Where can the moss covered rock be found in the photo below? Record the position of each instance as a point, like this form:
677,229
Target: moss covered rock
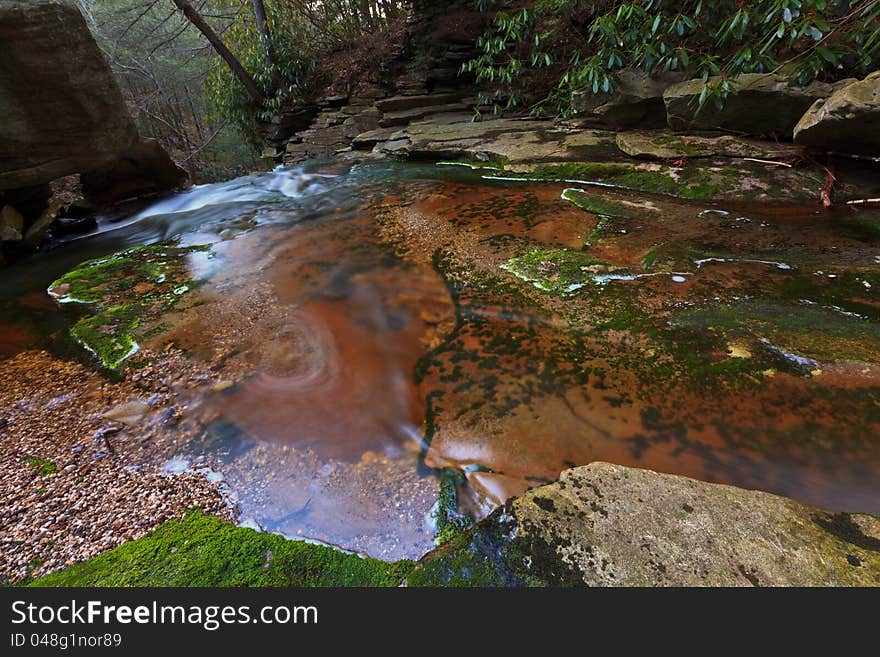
608,525
124,291
702,180
562,272
201,550
663,145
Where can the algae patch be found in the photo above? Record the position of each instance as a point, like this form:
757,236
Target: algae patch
124,291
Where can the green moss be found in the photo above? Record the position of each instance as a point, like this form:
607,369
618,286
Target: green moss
604,228
596,205
450,522
807,330
109,335
700,181
44,467
124,291
458,564
682,147
201,550
586,171
559,271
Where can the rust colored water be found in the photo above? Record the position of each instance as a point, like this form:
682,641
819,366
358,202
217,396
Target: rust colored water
398,316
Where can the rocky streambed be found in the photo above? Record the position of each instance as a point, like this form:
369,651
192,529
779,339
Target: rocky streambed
379,355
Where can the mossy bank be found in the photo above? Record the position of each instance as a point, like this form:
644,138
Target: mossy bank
599,525
201,550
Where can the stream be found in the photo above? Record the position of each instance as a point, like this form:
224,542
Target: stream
373,326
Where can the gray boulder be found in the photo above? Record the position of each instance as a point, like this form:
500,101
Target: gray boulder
608,525
758,104
142,169
847,121
62,110
637,100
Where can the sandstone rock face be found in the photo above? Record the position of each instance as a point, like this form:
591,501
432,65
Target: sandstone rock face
636,100
656,145
759,104
608,525
847,121
62,110
144,168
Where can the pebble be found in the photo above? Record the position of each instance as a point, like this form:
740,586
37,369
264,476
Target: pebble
129,413
94,500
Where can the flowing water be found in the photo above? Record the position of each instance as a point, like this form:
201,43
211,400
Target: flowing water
376,325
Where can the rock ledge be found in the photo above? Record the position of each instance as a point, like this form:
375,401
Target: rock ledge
609,525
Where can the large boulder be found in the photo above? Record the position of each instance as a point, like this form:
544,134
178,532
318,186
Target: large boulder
144,168
62,110
847,121
758,104
608,525
11,224
637,100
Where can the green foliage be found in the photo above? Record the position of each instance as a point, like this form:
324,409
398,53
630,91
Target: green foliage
201,550
161,62
574,44
294,66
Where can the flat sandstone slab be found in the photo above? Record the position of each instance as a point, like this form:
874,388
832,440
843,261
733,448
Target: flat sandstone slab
608,525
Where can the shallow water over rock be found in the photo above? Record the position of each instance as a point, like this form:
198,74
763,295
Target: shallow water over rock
369,327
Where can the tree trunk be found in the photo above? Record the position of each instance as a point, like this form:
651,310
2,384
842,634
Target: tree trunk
238,70
266,41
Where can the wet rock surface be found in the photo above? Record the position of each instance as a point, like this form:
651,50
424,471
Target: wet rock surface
847,121
608,525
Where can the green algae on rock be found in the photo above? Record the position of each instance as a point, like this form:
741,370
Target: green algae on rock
450,522
201,550
709,179
561,271
609,525
597,205
798,330
124,290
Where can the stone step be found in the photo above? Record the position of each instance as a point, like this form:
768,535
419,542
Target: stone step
401,103
367,140
404,117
